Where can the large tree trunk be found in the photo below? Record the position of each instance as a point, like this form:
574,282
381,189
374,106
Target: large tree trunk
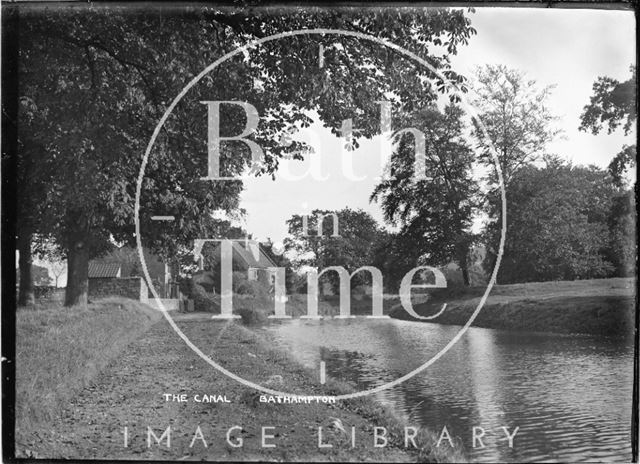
26,296
77,274
465,274
463,261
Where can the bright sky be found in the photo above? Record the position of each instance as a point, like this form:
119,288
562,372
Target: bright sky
569,48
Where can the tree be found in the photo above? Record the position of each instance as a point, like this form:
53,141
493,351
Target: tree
351,248
622,222
41,277
395,256
557,224
624,160
434,215
116,70
519,125
57,269
612,103
90,190
33,175
514,112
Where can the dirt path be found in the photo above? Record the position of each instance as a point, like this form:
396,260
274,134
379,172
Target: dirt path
129,393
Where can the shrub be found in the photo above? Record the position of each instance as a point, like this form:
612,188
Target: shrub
238,279
203,301
252,288
253,310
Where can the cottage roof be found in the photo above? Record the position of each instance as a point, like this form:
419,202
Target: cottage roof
253,254
103,270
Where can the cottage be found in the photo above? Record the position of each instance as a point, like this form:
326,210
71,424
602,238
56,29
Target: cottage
126,263
105,279
248,257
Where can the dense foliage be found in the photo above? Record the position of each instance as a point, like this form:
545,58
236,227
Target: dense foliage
353,248
557,226
95,80
612,104
433,214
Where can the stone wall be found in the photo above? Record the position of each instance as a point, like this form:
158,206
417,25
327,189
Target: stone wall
129,287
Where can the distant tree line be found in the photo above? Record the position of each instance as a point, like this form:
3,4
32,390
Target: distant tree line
564,222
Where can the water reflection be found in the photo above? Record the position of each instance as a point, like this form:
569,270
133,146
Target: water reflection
569,396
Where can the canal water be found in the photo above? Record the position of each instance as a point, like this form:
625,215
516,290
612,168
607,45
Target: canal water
570,396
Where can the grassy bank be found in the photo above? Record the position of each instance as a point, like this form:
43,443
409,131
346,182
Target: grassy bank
61,350
600,306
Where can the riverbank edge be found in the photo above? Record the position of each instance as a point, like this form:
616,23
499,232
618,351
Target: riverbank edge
604,315
374,412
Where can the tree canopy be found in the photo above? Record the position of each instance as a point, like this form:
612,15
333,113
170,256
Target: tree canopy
351,248
613,103
515,114
557,224
433,214
95,80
